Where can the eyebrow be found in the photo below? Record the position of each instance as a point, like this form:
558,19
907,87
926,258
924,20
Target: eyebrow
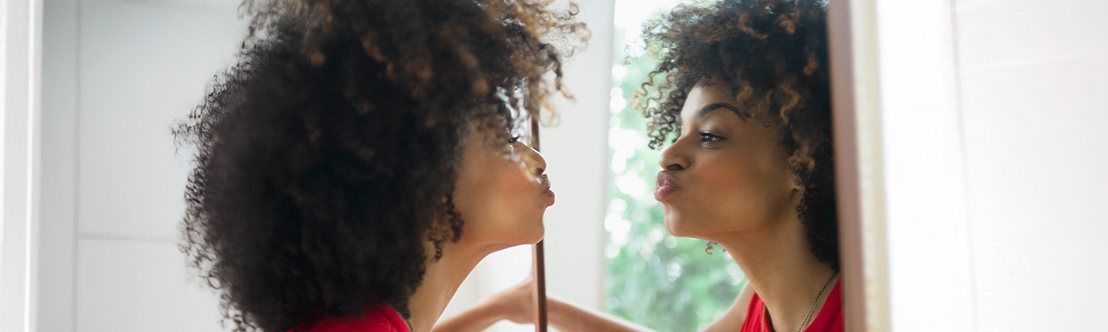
715,106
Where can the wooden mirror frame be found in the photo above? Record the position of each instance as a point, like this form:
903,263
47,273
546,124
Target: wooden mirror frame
859,163
538,264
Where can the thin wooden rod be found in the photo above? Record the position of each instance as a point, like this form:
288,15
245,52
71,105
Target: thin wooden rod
538,262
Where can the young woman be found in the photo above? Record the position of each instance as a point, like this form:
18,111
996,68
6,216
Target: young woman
359,160
744,99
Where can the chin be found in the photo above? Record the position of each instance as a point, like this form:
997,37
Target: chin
681,227
671,218
533,240
676,231
525,230
674,227
535,235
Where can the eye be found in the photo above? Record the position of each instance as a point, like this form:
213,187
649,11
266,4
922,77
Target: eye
514,139
706,137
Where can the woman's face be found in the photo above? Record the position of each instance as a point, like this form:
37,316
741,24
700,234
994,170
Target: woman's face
725,173
501,197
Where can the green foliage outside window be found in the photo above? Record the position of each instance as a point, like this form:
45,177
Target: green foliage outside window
654,279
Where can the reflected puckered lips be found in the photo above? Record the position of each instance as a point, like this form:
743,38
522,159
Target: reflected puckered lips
546,189
665,186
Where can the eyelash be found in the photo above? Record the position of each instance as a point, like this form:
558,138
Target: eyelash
708,138
704,136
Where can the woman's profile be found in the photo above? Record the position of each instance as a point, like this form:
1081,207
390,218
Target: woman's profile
362,157
741,103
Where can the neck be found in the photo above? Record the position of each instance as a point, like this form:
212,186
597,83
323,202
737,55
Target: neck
440,282
781,268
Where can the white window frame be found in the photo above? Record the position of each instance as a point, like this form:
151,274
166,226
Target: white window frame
20,64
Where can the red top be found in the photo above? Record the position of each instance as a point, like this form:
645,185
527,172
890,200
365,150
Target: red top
829,319
375,319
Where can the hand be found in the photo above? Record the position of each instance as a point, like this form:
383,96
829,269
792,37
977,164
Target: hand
516,302
513,304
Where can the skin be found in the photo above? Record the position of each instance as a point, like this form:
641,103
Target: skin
502,200
730,183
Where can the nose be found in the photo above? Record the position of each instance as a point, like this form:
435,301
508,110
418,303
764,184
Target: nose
674,158
534,160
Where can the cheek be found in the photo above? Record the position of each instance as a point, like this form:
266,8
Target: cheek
517,189
501,203
727,175
508,193
737,191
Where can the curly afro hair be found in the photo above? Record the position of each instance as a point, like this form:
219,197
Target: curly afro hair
772,56
326,157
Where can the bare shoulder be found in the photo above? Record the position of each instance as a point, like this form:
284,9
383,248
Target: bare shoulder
736,314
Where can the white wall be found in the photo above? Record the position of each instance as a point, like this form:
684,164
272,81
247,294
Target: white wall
995,150
116,74
1036,147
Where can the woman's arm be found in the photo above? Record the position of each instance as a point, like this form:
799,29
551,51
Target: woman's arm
515,304
733,318
570,318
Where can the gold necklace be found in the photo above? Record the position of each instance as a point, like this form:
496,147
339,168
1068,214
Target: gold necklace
810,310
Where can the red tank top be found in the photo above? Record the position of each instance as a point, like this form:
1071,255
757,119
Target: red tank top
829,319
375,319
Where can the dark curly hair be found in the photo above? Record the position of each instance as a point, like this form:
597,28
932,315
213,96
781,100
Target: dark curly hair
772,56
326,157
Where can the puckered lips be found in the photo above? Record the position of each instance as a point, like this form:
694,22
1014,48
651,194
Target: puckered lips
546,189
665,186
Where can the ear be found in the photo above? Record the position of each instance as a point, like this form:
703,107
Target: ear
805,164
797,183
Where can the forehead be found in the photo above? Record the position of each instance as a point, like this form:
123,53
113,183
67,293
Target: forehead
703,95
